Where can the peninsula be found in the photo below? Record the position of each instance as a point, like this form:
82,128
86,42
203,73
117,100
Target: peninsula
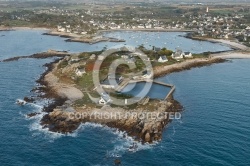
69,81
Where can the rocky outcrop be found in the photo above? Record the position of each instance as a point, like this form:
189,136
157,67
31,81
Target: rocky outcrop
186,65
30,115
144,126
43,55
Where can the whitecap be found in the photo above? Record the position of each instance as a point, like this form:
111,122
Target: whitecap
121,143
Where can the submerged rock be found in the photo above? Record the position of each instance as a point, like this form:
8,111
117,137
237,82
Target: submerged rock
33,114
117,162
28,99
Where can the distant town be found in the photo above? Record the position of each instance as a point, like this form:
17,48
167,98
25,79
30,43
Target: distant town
86,19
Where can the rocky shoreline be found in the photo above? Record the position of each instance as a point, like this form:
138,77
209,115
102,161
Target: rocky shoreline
233,44
43,55
141,128
186,65
148,129
63,117
58,119
82,39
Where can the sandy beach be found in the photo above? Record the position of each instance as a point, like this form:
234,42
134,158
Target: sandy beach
233,55
30,28
233,44
3,28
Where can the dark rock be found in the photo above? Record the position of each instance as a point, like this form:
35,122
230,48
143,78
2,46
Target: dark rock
33,114
29,99
117,162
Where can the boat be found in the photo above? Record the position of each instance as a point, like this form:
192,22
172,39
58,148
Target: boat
21,102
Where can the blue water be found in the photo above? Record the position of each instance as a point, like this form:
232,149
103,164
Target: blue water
28,42
170,40
156,91
214,129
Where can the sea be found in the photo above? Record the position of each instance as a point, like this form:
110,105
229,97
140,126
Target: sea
214,128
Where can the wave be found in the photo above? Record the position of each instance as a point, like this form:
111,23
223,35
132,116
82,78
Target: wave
121,143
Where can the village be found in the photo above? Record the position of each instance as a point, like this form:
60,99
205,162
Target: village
206,21
202,25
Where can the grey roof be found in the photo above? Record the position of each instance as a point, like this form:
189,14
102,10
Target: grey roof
177,53
157,49
164,57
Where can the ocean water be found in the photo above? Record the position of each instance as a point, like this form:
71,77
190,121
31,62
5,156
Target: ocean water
28,42
214,129
169,40
156,91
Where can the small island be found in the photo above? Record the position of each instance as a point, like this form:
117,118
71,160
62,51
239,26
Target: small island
70,82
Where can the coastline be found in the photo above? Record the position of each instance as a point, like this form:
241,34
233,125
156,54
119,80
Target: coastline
64,95
232,55
89,38
42,55
72,37
59,112
2,28
186,65
144,30
57,119
233,44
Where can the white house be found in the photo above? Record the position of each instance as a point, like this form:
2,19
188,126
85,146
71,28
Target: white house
188,55
84,33
74,59
105,99
163,59
92,57
80,72
148,26
68,30
178,55
61,29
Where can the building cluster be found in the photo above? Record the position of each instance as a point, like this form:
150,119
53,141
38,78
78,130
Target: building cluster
206,24
218,27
